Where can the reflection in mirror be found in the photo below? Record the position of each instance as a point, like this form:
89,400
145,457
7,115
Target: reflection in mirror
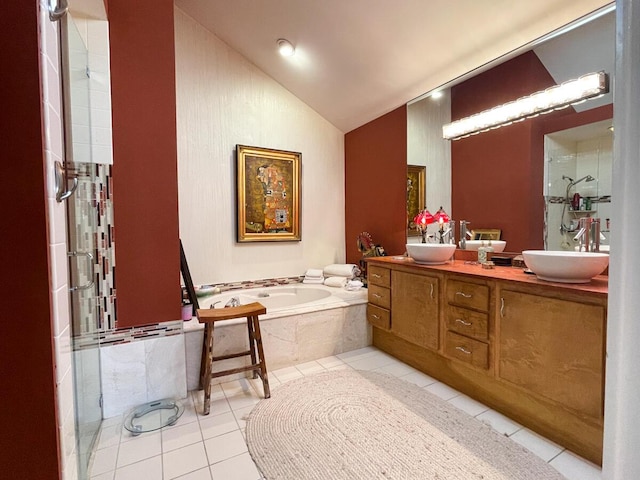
578,164
499,179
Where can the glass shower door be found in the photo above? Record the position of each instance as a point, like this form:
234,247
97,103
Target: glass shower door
82,237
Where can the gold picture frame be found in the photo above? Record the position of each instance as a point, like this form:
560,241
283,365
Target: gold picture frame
486,233
416,193
268,188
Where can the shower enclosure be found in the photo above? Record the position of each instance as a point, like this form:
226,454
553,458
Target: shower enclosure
87,167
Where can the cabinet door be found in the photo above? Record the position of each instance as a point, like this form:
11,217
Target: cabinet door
554,348
414,308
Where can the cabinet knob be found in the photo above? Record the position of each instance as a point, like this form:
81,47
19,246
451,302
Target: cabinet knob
464,350
466,324
464,294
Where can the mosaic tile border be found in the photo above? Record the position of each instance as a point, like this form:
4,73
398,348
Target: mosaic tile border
118,336
561,200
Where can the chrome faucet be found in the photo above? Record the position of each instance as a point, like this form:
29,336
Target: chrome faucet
463,234
588,235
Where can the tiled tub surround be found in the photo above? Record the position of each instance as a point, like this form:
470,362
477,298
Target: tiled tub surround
153,362
291,335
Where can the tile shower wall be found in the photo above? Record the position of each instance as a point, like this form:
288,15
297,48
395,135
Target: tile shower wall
52,108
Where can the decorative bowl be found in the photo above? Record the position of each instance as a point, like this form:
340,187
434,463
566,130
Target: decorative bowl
430,253
565,267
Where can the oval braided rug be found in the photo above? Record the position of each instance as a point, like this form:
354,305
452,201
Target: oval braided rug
350,424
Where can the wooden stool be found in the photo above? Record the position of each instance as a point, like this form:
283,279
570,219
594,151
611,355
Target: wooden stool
258,366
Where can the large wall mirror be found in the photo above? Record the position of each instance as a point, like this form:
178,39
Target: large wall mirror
522,178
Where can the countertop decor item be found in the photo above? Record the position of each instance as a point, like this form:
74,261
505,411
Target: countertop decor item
352,424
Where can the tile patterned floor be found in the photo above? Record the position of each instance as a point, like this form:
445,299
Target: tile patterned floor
213,447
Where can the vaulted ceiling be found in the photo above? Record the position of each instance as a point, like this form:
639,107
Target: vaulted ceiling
358,59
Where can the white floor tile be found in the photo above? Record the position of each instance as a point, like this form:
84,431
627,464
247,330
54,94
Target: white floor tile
236,387
243,400
328,362
499,422
354,355
372,362
214,425
202,474
109,436
104,460
418,378
286,374
149,468
184,460
469,405
396,369
236,468
443,391
309,368
225,446
103,476
576,468
145,446
242,414
542,447
180,436
180,451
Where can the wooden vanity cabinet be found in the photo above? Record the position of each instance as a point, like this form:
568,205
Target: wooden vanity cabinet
466,321
379,297
553,348
415,313
531,350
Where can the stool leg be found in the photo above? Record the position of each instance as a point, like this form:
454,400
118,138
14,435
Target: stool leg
203,357
207,369
252,344
263,364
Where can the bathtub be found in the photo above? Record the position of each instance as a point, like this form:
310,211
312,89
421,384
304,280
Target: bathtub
303,323
285,299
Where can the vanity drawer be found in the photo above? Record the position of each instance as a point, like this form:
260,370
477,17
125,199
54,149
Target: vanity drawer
468,322
379,276
379,296
469,295
466,350
378,317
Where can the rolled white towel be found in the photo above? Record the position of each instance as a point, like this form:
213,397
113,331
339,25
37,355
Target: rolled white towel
354,285
314,273
318,281
348,270
339,282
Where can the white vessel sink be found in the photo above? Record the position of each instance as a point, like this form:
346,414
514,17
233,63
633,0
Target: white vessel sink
498,245
565,267
430,253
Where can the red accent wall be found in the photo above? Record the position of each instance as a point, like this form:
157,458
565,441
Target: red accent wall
28,438
497,176
375,183
145,183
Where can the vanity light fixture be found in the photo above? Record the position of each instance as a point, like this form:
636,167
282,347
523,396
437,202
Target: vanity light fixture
286,48
553,98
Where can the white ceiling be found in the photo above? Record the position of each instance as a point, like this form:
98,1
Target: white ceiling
359,59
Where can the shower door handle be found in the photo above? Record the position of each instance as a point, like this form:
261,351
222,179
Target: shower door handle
89,270
61,183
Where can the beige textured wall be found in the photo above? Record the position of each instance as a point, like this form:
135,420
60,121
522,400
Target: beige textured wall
223,100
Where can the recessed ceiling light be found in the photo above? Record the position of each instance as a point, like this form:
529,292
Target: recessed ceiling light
437,94
285,48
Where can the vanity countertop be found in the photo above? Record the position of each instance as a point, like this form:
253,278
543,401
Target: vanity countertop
598,286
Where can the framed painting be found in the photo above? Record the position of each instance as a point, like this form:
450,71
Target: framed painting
416,180
268,190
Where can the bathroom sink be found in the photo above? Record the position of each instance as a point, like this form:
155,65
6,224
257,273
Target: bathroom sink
430,253
498,245
565,267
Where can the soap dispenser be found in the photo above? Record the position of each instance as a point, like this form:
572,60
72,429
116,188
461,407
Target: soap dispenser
488,251
482,253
